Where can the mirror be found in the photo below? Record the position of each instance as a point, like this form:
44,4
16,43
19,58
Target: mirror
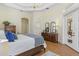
47,27
53,27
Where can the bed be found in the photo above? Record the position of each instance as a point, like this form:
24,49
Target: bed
23,46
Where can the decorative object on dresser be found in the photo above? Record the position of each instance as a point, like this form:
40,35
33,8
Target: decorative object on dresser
53,37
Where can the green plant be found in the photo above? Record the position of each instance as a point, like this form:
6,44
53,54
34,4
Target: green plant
6,22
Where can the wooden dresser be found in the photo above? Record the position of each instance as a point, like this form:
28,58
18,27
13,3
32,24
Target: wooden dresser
53,37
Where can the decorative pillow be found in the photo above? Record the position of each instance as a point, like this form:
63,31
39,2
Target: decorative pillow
10,36
2,34
15,36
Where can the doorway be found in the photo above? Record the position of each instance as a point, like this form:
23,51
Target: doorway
25,25
71,30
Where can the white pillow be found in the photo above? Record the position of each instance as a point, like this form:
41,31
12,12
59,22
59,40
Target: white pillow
2,34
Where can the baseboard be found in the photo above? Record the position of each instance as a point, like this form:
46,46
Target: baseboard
71,48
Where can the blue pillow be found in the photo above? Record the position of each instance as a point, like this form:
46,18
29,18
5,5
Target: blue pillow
10,36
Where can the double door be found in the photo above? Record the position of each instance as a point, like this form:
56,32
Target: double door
71,30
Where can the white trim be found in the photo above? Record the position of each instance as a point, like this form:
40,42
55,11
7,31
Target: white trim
17,6
72,8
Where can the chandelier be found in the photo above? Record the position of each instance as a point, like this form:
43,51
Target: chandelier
36,5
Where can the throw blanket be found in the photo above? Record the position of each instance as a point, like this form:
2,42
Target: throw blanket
39,40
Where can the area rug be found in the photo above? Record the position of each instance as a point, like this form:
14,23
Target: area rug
49,53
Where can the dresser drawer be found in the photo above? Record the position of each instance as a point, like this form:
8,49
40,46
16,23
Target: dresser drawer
53,37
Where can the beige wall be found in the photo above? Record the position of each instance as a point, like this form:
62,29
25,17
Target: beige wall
55,13
14,16
37,19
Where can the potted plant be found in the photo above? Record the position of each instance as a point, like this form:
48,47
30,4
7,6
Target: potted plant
6,23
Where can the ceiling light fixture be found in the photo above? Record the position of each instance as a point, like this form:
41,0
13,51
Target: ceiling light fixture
36,5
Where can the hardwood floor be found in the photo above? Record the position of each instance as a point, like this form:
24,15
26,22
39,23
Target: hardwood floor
59,49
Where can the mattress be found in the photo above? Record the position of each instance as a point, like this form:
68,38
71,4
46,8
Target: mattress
24,43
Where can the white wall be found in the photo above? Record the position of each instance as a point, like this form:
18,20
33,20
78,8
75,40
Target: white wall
54,13
14,16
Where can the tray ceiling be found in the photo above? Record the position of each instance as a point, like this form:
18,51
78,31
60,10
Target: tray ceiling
29,6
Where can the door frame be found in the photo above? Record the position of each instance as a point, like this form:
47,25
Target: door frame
74,38
28,24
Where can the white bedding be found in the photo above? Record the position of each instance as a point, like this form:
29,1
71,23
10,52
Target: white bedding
24,43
